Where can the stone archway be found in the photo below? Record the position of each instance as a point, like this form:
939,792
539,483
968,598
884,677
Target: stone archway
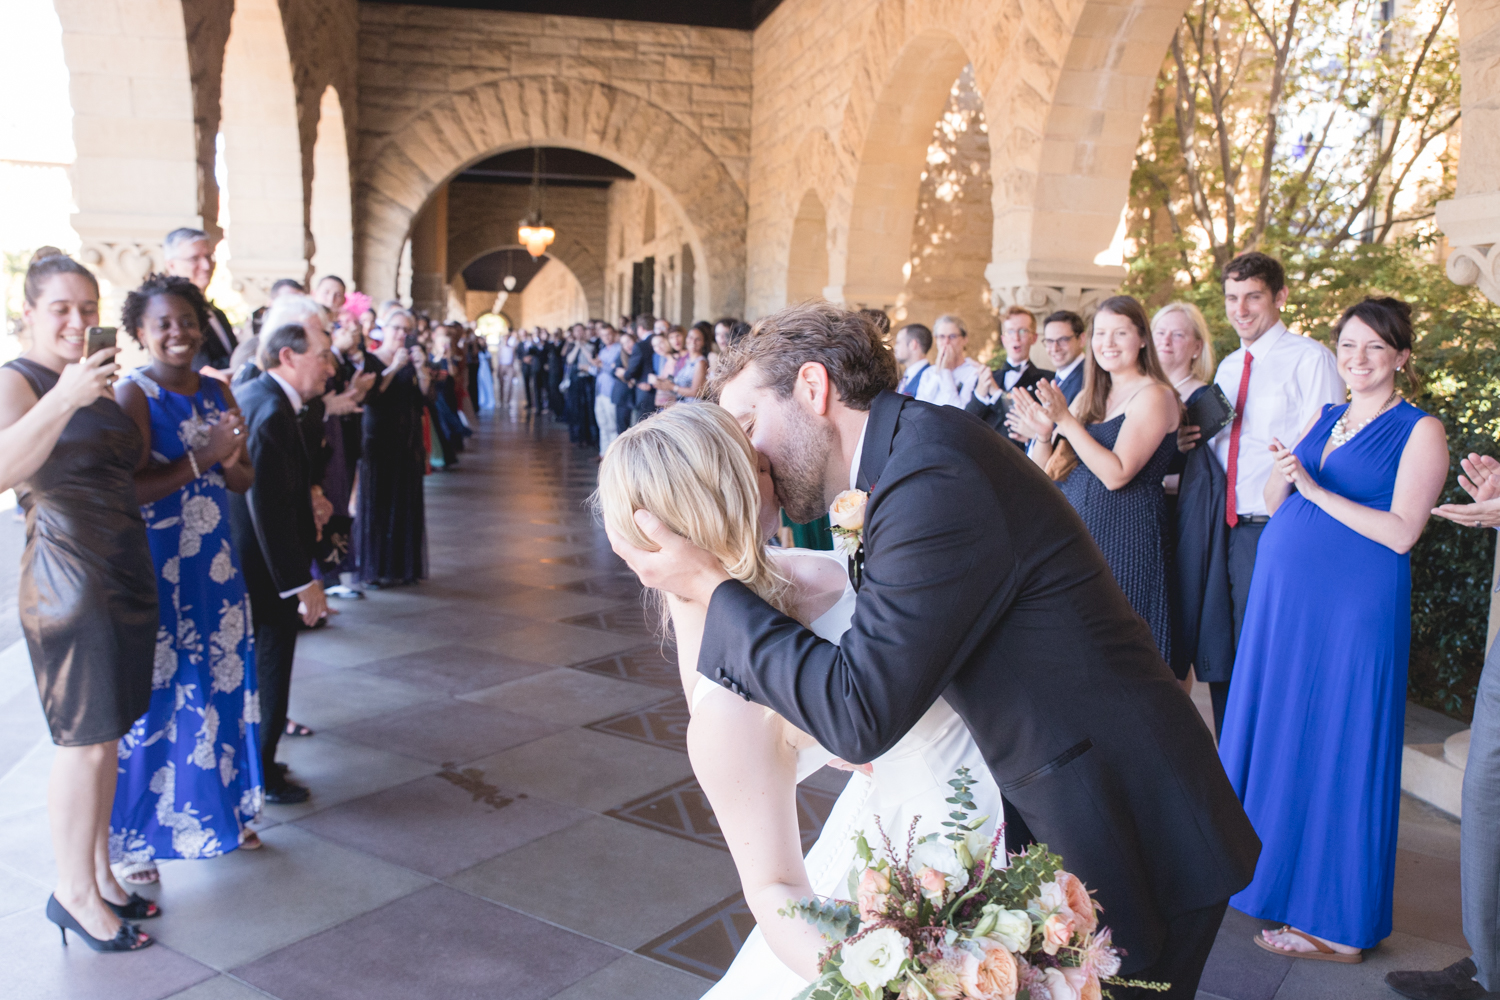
883,204
399,174
136,174
807,258
331,208
263,153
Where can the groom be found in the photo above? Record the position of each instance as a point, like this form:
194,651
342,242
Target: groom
980,585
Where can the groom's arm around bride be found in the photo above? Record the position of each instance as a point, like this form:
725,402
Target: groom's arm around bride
981,585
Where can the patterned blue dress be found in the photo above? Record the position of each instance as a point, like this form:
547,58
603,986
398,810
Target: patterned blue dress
190,767
1314,726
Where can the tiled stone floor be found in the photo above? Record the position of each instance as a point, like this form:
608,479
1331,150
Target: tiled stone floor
502,805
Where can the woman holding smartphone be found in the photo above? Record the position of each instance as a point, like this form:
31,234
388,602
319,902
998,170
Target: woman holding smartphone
88,589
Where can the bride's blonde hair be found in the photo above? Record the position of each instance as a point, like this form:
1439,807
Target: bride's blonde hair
692,466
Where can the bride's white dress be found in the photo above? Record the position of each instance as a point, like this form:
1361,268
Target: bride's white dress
909,780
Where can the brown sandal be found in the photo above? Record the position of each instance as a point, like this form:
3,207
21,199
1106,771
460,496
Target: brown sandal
1323,954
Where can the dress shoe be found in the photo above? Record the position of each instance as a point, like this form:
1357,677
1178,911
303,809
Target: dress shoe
1456,982
286,793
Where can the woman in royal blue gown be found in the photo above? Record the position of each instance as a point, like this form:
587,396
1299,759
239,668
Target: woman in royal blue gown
190,775
1313,729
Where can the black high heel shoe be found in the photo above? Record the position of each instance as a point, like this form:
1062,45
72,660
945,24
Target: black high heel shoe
127,938
137,907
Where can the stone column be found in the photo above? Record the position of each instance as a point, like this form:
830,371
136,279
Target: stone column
136,175
1044,286
429,256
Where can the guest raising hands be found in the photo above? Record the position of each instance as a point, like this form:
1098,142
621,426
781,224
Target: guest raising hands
88,590
1313,729
1110,451
190,775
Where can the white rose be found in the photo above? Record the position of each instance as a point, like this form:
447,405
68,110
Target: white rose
875,959
848,510
1012,930
940,856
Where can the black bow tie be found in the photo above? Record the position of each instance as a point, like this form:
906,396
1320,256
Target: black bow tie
1014,368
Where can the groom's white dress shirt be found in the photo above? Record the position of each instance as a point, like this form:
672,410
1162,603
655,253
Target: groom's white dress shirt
1291,379
951,386
859,453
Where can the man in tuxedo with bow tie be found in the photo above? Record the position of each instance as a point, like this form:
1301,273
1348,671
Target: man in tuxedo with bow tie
982,586
190,254
273,523
1017,335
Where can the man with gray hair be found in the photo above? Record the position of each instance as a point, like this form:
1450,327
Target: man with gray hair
190,254
954,375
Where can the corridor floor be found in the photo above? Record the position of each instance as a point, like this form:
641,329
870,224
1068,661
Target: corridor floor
502,805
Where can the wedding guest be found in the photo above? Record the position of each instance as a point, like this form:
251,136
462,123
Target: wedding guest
354,369
330,293
665,361
605,383
1195,489
880,319
285,286
913,344
189,253
579,359
87,592
274,527
1277,383
1474,977
623,394
1017,335
723,333
954,374
190,771
553,350
391,521
692,368
505,370
1062,339
1110,450
642,369
1314,726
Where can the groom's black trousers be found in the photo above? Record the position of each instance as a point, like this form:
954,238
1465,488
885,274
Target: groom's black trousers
1190,938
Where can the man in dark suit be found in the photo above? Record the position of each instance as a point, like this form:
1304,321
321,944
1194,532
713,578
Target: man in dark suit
980,585
1062,339
190,254
642,366
991,396
273,524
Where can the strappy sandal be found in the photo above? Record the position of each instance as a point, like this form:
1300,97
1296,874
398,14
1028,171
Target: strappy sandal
1323,954
297,729
137,872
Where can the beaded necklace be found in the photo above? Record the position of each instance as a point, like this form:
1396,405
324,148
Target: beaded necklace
1341,434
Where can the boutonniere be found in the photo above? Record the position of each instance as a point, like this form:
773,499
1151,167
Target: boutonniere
847,517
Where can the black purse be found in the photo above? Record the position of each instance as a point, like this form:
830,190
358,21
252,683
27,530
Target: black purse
1211,412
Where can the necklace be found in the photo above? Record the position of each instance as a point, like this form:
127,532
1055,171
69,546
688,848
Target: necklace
1341,433
1178,384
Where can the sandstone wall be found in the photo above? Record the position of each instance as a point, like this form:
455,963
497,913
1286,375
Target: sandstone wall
552,299
440,89
642,224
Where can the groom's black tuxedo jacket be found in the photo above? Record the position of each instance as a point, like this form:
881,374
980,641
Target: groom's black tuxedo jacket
981,584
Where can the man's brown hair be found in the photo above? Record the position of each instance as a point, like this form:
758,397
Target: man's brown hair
846,344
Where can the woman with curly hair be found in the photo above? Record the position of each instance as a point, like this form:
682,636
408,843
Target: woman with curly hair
190,774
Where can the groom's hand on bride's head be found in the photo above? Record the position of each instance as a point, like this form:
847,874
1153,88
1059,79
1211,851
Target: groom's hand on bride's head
677,566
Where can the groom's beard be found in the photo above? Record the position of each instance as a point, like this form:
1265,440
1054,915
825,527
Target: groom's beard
798,471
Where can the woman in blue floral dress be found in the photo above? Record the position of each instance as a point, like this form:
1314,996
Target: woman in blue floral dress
190,767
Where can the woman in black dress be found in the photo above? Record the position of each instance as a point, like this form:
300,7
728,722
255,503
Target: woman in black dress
88,587
1110,452
391,525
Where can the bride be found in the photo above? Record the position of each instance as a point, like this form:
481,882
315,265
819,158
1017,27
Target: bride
693,468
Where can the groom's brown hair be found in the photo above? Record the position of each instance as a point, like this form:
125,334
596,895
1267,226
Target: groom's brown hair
845,343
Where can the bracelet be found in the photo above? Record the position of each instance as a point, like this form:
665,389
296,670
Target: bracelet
193,461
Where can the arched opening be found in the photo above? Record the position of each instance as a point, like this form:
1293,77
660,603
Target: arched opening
543,291
264,151
883,208
331,215
807,258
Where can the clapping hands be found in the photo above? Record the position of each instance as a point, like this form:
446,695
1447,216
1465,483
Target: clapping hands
1481,480
1035,418
1290,468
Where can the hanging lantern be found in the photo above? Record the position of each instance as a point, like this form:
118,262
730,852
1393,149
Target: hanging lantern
536,236
509,282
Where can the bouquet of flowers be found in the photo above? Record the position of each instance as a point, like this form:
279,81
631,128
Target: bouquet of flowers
943,922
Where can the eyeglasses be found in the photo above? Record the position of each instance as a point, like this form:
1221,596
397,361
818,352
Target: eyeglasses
1057,341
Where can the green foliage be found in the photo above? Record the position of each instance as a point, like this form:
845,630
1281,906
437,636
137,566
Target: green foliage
962,800
835,921
1019,883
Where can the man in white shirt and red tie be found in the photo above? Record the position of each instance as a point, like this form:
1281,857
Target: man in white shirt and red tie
1278,381
954,374
913,344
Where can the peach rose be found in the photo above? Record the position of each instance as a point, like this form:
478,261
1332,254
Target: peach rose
873,888
1079,901
848,510
993,977
1057,931
934,883
1055,981
1084,982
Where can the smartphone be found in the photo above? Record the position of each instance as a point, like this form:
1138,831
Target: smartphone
98,338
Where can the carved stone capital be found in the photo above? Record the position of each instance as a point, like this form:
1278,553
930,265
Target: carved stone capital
124,263
253,279
1049,298
1047,285
1477,265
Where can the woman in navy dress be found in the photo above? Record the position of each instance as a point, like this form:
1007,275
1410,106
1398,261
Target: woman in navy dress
1313,729
1110,451
190,766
